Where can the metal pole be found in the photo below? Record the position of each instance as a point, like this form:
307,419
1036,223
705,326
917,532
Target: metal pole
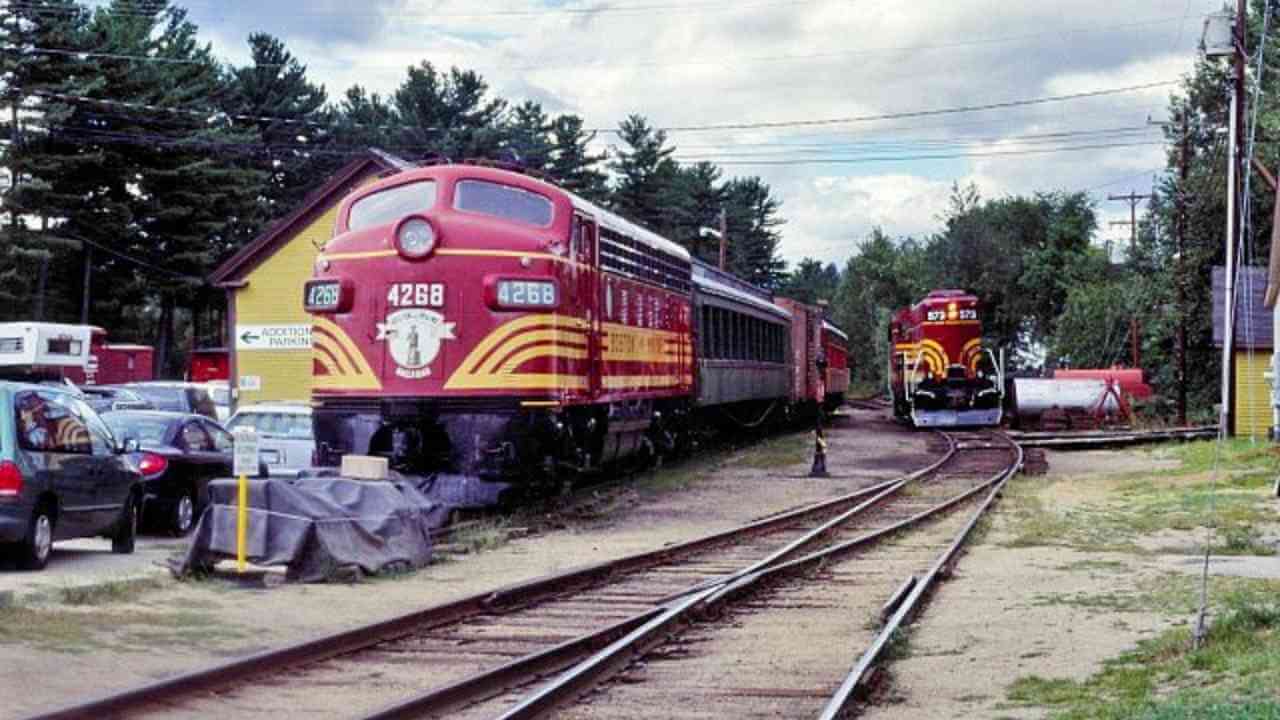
724,240
1228,415
88,279
1179,280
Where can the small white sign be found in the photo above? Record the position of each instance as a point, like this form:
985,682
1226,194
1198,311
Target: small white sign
246,452
252,383
273,337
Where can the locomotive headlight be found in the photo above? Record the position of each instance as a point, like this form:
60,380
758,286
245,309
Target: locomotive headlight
415,238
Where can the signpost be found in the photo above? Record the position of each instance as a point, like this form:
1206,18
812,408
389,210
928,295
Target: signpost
245,461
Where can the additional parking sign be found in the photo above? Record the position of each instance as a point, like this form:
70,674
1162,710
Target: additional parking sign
246,452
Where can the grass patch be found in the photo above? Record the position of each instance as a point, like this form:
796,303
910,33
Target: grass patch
112,591
481,535
1234,675
779,452
84,630
1140,506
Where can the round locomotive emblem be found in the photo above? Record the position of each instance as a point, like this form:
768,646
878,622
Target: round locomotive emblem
413,338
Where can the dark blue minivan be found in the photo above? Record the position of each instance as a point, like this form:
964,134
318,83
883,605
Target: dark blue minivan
63,475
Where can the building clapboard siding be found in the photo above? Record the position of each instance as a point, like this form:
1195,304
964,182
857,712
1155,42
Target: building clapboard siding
264,284
1253,347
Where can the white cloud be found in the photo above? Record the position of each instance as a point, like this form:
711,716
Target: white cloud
766,62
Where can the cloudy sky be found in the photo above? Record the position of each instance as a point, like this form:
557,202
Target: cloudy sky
786,67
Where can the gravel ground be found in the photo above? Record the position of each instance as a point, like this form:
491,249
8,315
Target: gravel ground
57,654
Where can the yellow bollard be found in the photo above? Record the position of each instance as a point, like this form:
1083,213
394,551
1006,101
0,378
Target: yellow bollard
242,523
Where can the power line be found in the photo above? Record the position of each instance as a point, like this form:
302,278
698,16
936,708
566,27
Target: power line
680,8
941,156
908,114
209,114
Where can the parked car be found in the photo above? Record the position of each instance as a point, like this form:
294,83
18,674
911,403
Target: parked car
285,439
179,454
63,475
105,399
178,397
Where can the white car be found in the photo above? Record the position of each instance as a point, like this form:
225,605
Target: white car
285,438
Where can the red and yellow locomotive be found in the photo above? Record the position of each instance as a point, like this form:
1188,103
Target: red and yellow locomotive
939,373
478,321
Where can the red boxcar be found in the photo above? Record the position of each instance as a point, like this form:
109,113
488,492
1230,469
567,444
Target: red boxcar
939,372
835,347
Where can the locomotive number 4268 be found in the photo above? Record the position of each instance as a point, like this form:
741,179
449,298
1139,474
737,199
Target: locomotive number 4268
408,295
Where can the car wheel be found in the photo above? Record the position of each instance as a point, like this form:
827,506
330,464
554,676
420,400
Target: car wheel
184,514
126,535
35,549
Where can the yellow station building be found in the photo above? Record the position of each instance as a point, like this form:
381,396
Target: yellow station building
268,332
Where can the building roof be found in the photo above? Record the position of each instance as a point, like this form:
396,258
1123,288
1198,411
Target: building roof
1253,320
283,230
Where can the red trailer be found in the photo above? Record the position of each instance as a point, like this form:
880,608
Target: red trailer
113,363
209,364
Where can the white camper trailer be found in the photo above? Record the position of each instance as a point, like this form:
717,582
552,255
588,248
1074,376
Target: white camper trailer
33,347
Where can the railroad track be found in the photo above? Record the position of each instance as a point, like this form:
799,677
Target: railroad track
481,656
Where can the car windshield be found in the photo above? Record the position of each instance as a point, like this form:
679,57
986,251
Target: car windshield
387,206
292,425
503,201
148,430
164,398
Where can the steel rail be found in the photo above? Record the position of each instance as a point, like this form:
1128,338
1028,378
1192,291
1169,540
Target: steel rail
841,702
683,611
1085,440
519,671
813,535
515,595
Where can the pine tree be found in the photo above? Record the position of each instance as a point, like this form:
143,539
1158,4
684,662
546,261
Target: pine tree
646,173
753,232
288,114
572,165
449,115
33,255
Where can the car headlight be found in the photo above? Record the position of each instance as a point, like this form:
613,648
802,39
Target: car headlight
415,238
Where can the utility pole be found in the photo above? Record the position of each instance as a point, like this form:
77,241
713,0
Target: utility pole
724,241
88,279
1179,281
1132,198
1239,57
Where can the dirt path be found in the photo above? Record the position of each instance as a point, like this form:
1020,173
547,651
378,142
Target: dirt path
55,654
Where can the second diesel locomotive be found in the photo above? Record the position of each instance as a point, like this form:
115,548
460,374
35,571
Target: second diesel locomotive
477,321
939,372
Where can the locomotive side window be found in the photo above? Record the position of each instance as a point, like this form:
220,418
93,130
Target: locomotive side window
503,201
387,206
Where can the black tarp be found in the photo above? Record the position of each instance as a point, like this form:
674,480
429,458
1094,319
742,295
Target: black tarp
317,526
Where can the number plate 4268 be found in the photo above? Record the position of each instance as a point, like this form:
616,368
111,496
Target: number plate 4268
406,295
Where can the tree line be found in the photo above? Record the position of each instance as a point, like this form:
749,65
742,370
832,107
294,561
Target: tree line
137,161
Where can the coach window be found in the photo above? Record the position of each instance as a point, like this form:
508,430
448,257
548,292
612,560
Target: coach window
704,338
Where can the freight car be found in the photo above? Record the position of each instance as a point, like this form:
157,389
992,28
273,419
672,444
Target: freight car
939,373
477,321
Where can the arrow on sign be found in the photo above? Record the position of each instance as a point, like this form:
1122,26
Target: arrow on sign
249,337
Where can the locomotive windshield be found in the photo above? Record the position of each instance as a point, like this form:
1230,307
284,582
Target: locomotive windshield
503,201
392,204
